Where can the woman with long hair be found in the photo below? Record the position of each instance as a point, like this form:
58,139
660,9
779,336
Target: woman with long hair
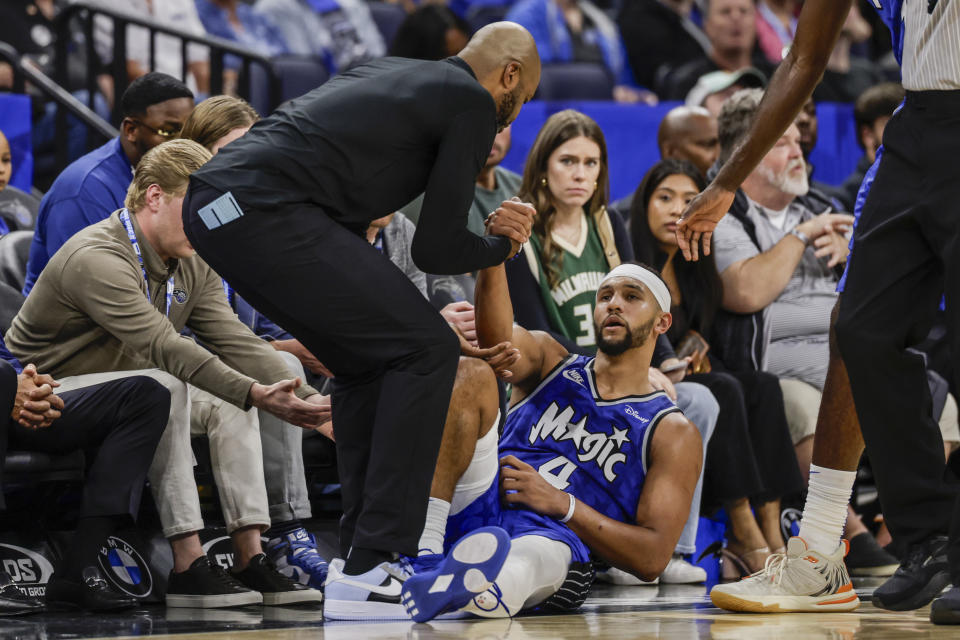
750,457
575,241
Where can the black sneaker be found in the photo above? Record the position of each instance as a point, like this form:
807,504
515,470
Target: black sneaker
14,602
866,558
92,594
262,575
207,586
921,577
946,608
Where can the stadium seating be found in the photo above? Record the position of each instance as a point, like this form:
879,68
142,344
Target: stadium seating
575,81
388,17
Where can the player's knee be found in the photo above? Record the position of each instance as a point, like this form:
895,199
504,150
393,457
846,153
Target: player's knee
147,395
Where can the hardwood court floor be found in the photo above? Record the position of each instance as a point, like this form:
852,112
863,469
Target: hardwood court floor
669,612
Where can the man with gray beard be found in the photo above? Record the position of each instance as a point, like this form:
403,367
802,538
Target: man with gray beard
777,250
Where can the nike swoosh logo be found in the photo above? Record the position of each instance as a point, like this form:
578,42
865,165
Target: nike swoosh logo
390,590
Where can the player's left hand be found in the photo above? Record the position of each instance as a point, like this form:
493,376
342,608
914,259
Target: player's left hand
522,484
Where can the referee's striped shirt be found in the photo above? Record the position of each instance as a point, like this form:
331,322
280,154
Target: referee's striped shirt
931,45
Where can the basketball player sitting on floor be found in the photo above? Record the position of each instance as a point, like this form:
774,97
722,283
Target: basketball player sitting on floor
593,461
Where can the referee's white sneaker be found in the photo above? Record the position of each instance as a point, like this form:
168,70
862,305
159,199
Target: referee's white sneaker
801,580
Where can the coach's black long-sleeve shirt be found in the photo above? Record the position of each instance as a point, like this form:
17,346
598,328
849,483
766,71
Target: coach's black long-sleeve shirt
368,142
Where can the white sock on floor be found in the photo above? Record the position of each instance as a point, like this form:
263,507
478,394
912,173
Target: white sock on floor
435,527
825,512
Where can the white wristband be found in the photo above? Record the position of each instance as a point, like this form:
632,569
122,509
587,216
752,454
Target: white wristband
573,505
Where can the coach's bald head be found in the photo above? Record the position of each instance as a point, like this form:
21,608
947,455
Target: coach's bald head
504,57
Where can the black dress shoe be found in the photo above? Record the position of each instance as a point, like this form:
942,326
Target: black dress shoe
14,602
92,594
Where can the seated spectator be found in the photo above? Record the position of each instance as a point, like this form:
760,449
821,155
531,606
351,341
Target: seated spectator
776,27
342,32
809,127
218,121
658,35
685,133
628,515
118,424
111,305
871,113
432,32
243,24
712,89
776,252
154,108
575,240
750,458
12,207
848,75
168,58
578,31
731,27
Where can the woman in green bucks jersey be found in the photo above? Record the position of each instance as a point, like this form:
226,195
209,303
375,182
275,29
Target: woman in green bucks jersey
553,284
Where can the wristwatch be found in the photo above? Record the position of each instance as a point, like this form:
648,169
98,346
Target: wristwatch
800,235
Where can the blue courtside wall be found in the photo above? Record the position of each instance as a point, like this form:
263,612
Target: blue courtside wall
631,134
15,124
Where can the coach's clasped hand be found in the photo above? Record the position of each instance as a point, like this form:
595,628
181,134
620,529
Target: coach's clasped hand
514,220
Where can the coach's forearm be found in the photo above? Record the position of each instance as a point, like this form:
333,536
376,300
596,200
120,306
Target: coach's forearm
818,29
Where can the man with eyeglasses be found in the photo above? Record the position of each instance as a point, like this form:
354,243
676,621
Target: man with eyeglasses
154,109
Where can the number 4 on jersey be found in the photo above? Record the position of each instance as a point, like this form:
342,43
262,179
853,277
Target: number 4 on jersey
560,480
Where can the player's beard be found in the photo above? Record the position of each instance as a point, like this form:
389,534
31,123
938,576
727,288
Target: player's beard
505,109
631,340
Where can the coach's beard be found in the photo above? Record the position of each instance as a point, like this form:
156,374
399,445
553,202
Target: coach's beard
631,340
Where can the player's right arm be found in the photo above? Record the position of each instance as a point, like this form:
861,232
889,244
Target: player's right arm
539,352
818,29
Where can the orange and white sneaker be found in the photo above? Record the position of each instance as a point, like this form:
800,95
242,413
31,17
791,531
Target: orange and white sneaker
801,580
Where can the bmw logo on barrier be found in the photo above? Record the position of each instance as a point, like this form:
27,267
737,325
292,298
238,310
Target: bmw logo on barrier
29,570
125,568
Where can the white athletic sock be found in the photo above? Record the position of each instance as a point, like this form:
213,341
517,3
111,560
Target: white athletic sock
434,527
825,512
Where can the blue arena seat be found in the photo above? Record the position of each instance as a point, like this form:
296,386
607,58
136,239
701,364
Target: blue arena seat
575,81
297,74
481,15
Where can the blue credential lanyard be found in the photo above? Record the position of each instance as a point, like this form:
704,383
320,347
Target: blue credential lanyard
125,219
231,295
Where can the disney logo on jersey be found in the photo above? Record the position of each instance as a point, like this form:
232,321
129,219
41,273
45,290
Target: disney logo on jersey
630,411
574,375
602,448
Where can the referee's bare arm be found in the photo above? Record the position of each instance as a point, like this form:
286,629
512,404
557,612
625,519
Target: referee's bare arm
818,30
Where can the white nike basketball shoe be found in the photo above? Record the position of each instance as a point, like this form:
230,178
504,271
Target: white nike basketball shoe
799,581
374,595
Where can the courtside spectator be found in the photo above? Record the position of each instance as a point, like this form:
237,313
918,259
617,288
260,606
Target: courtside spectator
579,31
154,108
168,53
113,301
871,113
122,422
575,240
750,458
659,35
731,27
432,32
342,32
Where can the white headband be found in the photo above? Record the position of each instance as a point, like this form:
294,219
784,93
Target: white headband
653,283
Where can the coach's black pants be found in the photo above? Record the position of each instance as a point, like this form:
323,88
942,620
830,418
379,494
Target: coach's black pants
906,255
393,355
117,424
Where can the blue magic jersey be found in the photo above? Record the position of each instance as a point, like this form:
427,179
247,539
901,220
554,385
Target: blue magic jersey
891,12
592,448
